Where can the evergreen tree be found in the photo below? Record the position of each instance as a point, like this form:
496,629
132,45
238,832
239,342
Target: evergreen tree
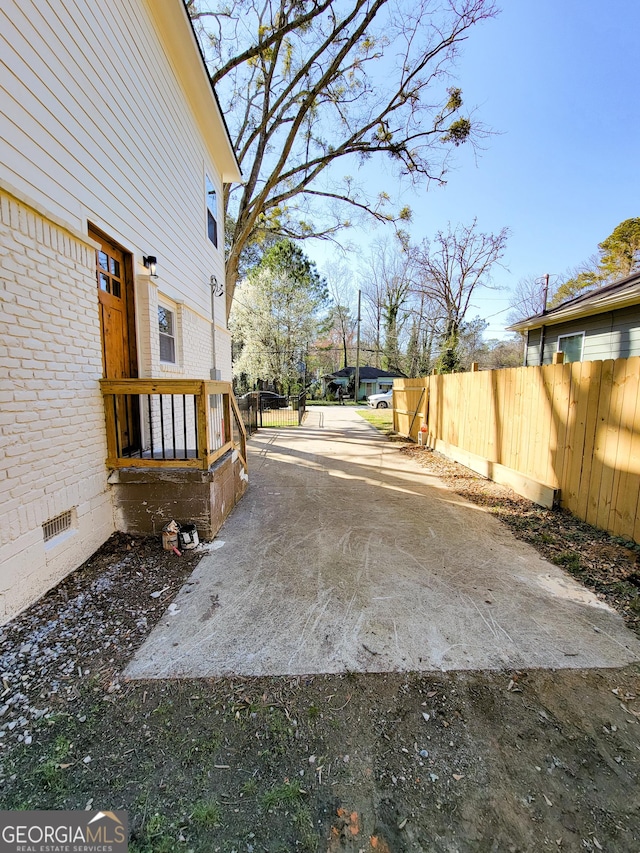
618,257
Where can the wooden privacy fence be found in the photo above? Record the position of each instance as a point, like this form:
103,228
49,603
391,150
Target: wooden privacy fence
571,427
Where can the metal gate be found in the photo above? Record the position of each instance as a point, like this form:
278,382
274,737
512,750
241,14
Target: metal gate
260,411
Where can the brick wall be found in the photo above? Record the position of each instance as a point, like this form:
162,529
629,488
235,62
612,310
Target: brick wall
223,354
193,337
52,433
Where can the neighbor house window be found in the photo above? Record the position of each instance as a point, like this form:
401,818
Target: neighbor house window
571,346
212,212
167,332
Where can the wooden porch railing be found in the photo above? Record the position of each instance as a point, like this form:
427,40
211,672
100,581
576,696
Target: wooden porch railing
171,423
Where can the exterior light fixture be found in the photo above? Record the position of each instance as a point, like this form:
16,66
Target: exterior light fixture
150,263
216,287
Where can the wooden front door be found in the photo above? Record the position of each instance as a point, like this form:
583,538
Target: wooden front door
115,300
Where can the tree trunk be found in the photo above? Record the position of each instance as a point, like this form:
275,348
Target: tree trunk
231,279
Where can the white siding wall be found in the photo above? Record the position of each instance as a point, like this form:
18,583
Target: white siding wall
97,129
52,444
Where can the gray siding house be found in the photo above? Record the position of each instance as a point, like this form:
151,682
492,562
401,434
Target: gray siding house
372,380
601,324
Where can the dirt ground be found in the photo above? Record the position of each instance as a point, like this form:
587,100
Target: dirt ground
473,761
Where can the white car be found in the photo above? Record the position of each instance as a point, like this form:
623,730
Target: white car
381,401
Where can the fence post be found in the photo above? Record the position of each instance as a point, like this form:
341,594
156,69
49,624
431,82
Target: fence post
474,367
427,395
558,358
205,436
226,414
112,426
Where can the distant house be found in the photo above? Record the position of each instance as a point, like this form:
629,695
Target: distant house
372,380
113,158
601,324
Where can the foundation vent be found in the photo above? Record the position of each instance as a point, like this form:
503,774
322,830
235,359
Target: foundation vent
55,526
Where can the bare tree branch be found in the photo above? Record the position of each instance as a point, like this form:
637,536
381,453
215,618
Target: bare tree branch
306,84
451,268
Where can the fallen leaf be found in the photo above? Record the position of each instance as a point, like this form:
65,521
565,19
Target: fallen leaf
354,827
403,823
547,800
458,776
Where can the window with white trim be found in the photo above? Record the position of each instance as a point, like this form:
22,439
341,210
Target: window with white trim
212,211
167,334
571,346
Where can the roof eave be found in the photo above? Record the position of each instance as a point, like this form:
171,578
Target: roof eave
183,49
576,312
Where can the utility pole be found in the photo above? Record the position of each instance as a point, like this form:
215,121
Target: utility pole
357,376
545,293
543,328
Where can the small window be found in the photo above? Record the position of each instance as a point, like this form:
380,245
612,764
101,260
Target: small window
167,332
571,346
212,212
111,283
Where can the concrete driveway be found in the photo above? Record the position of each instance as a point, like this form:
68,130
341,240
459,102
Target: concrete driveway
345,555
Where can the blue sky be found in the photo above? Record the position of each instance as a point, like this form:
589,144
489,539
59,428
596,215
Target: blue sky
557,81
